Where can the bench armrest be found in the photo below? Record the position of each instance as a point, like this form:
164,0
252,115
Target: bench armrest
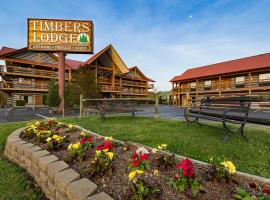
229,109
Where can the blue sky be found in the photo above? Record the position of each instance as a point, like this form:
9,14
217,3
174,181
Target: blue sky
162,37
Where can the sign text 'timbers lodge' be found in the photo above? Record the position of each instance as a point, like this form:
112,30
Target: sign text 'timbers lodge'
74,36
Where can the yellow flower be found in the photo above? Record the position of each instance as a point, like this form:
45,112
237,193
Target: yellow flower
132,174
71,126
69,146
154,150
164,146
110,155
48,139
76,145
55,137
105,150
109,138
98,152
156,172
229,166
83,133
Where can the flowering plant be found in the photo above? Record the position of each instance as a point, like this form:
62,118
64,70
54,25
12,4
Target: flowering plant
56,141
102,162
140,159
139,188
77,151
242,194
220,170
185,178
86,143
42,135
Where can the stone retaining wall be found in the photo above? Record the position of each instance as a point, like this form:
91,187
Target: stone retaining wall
56,179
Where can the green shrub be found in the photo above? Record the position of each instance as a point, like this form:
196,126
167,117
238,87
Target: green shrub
52,99
20,103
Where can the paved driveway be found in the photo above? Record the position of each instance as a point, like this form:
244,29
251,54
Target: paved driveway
25,114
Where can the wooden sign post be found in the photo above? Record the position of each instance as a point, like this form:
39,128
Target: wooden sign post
61,82
60,36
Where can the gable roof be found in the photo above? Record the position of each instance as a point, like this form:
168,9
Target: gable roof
114,56
5,50
261,61
135,68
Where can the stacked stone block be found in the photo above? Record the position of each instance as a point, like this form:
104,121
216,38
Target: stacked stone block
56,179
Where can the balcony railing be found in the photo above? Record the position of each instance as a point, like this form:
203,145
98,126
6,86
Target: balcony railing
29,71
21,86
226,87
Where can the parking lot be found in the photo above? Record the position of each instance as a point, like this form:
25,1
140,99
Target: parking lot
26,114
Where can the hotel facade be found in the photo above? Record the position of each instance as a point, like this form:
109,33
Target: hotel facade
248,76
25,74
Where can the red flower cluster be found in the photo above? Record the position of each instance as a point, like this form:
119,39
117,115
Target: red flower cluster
266,190
137,159
106,145
88,139
187,168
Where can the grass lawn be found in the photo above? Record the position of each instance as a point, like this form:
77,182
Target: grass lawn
14,181
195,141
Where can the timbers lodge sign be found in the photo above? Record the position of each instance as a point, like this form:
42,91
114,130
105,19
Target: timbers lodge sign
73,36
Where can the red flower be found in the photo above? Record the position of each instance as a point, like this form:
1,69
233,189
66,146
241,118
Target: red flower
89,139
99,147
178,166
187,168
135,163
134,155
266,190
107,145
82,141
144,157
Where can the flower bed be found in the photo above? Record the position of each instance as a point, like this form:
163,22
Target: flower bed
130,171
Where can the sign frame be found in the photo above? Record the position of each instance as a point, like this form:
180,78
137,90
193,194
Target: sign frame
63,50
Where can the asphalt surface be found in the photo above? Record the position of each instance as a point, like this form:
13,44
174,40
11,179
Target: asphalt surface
171,112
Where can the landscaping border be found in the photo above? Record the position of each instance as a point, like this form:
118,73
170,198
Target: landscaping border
58,181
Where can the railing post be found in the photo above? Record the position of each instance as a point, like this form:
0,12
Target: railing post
156,107
81,105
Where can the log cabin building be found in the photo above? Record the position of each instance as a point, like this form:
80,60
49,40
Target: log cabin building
25,74
248,76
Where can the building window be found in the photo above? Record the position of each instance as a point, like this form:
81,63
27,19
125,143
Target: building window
193,85
25,81
208,84
240,80
264,77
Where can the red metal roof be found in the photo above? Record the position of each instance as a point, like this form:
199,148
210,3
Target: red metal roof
5,50
233,66
74,64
